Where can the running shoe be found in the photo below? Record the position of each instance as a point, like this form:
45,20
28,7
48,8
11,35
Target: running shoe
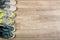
8,29
10,2
8,14
8,7
7,2
7,35
7,21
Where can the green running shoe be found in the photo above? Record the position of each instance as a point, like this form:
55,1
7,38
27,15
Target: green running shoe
8,14
7,21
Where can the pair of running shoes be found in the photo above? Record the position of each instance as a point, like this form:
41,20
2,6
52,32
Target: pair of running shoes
7,18
7,32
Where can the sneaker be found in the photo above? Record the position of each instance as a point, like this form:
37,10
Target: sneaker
8,7
7,21
7,35
7,2
8,14
10,2
8,29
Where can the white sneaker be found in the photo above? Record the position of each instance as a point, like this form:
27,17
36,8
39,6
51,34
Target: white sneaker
10,2
9,14
8,21
10,8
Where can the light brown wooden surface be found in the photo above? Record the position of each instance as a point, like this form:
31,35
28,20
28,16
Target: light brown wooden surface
38,20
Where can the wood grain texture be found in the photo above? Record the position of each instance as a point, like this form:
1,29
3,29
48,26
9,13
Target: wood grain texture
38,20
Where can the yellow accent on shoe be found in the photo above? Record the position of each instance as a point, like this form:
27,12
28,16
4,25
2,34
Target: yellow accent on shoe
1,14
1,20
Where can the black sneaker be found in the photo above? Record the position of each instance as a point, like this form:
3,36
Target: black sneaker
8,29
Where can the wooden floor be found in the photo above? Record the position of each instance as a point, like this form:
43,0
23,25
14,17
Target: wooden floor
38,20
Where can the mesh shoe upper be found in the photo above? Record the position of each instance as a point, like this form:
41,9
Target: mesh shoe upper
8,28
7,35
